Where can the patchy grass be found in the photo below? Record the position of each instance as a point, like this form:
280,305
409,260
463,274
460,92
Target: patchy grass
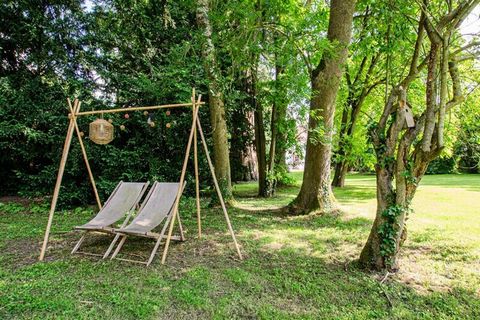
295,267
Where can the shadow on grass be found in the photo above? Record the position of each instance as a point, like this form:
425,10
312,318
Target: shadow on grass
351,194
285,283
305,276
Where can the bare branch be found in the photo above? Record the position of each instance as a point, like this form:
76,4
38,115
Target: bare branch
457,86
466,47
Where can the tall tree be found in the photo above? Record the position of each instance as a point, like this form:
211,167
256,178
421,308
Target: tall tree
316,192
216,103
403,148
362,75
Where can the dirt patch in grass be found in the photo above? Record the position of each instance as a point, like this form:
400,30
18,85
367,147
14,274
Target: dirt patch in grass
210,250
26,202
424,272
24,252
21,252
15,199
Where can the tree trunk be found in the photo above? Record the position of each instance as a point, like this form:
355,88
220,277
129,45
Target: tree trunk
340,163
217,108
260,141
402,158
316,192
350,116
243,160
346,136
341,170
279,119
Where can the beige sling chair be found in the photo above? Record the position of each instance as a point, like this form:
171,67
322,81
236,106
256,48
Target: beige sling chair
120,205
156,209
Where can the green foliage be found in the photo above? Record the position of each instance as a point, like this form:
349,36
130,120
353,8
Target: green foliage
388,232
114,55
467,145
442,165
318,134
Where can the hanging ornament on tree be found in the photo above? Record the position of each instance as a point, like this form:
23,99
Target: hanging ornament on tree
167,113
168,125
150,122
122,127
126,116
110,120
101,131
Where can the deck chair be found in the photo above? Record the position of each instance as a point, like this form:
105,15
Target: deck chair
156,209
122,201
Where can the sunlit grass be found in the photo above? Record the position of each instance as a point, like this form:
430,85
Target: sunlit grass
294,267
443,247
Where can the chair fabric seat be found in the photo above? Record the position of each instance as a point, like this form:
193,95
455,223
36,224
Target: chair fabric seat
156,209
122,200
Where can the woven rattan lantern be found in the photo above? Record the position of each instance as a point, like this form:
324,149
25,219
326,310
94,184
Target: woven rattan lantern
101,131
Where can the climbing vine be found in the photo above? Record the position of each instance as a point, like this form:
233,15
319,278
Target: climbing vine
388,232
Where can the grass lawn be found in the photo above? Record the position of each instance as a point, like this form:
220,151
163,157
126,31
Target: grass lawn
295,267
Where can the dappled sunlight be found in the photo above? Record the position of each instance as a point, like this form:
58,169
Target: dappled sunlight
328,243
427,269
442,250
285,256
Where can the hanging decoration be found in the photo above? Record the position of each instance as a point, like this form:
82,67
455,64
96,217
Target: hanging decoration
101,131
150,118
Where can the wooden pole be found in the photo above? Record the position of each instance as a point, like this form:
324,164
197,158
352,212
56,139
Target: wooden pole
84,153
56,191
219,193
197,182
176,105
182,179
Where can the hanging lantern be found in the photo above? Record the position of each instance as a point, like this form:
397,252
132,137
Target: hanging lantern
101,131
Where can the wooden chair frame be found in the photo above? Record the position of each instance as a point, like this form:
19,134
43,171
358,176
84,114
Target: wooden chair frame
152,235
110,230
196,126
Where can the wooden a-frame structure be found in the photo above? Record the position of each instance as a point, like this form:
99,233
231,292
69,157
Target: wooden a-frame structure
196,125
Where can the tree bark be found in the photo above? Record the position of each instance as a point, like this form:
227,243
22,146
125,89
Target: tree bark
260,141
243,160
341,170
216,104
279,120
316,192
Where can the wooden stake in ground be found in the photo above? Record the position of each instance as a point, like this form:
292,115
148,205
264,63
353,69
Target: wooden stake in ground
182,179
84,152
219,193
61,169
197,182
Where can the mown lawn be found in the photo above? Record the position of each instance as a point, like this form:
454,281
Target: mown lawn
295,267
